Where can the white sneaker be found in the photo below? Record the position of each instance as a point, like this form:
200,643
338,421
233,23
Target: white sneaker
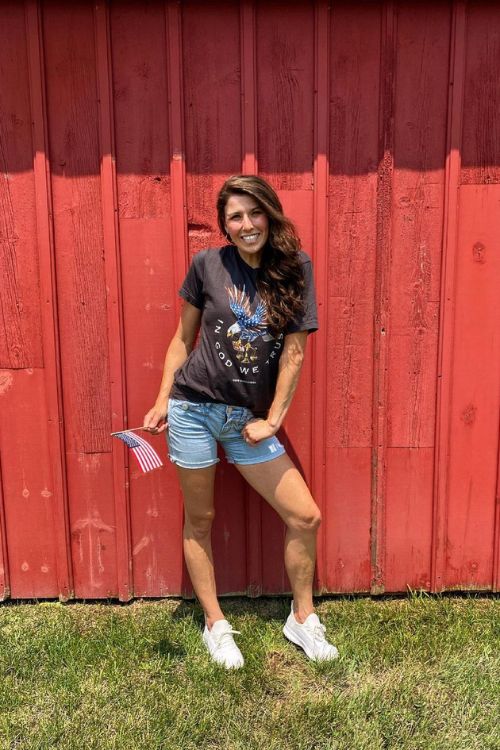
310,636
220,643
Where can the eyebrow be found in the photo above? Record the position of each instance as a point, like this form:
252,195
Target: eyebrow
235,213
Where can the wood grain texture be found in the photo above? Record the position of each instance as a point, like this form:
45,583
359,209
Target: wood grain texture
382,309
49,312
481,126
74,148
475,399
20,329
212,112
27,484
143,143
447,295
420,111
78,232
4,559
139,67
114,298
285,75
352,230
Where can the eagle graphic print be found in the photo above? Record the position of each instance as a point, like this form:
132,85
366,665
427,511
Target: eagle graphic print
248,326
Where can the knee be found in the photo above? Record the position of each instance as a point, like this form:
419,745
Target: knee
199,525
309,521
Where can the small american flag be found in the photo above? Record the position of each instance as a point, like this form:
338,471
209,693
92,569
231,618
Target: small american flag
147,457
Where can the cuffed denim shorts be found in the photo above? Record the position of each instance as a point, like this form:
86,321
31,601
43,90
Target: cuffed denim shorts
195,429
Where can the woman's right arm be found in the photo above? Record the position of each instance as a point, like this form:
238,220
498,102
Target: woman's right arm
178,351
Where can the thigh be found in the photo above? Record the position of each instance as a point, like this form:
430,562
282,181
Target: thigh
281,484
197,487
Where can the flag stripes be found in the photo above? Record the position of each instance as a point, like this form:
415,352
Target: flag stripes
146,456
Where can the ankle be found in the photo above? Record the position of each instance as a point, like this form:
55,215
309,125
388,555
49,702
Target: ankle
301,613
209,621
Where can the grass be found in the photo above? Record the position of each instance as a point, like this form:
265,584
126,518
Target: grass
419,672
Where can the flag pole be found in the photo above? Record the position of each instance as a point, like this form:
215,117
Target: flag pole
130,429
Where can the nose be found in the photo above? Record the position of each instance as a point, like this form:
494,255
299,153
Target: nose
247,223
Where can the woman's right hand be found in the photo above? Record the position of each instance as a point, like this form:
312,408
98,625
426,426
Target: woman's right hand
155,420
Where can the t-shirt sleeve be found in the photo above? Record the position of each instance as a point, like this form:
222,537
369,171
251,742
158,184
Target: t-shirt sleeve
192,287
308,321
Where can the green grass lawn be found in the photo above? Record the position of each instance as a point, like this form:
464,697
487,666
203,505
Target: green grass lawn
419,672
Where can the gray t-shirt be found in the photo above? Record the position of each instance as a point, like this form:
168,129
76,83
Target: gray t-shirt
236,359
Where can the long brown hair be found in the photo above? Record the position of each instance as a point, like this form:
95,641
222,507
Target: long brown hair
280,277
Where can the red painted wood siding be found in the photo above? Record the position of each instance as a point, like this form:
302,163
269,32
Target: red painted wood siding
377,124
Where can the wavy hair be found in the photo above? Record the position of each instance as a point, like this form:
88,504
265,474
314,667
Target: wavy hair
280,278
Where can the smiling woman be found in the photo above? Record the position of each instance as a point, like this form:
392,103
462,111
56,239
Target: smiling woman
247,227
254,301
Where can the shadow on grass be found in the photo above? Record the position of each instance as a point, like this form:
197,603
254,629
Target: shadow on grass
168,649
272,609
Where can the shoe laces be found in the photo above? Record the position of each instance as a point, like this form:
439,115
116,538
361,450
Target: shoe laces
318,632
226,638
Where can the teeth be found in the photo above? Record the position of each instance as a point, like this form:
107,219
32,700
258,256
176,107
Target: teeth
250,237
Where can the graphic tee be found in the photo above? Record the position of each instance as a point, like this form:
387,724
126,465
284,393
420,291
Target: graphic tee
236,359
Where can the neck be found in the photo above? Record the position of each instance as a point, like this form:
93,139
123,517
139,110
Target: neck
251,259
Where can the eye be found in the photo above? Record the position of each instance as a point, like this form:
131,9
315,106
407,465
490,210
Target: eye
235,217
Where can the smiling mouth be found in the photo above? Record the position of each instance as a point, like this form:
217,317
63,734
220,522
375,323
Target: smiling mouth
250,238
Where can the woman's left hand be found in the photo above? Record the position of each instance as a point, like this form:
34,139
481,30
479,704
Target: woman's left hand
257,430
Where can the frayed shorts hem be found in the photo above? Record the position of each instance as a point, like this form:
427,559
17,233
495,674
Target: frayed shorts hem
260,460
201,465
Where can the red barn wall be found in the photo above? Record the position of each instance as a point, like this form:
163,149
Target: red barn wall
377,124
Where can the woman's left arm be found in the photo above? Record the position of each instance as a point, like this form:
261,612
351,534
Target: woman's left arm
290,365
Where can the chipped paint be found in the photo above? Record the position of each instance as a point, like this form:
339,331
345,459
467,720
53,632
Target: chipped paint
6,380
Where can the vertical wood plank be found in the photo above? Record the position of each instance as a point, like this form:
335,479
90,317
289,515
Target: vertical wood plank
142,145
248,88
20,326
50,315
320,260
4,558
496,535
176,128
475,400
27,485
447,297
422,73
285,74
382,308
114,301
73,137
69,48
480,148
352,225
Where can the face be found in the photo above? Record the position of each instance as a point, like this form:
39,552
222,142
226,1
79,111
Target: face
247,225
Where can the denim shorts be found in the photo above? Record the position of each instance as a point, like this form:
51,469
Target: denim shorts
194,430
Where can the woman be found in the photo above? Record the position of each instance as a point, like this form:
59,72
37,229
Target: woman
254,300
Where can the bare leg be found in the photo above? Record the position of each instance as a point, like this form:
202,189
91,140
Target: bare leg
281,484
198,489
